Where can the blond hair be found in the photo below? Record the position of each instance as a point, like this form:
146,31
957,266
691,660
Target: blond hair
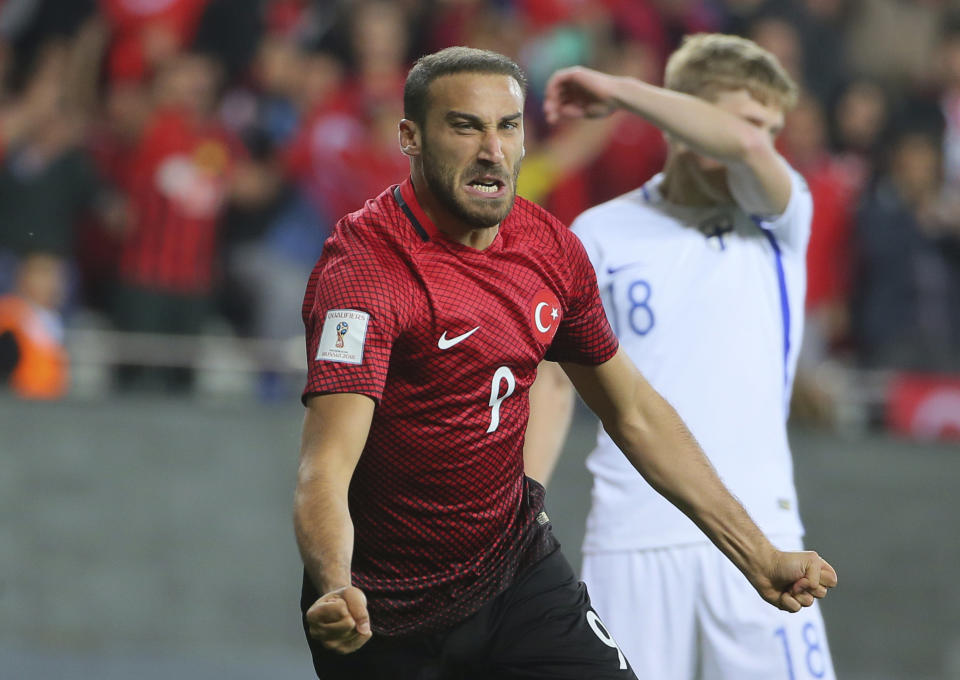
707,63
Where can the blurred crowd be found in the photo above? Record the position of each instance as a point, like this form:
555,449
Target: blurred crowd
166,165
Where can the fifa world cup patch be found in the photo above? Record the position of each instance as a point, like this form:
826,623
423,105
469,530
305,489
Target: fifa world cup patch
344,332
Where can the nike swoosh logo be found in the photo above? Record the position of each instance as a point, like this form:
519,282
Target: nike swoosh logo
446,343
614,270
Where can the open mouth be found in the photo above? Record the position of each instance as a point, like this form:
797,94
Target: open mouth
487,186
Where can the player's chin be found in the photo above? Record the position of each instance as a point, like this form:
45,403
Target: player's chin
490,211
487,216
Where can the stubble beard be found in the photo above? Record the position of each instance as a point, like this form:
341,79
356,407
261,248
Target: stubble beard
442,182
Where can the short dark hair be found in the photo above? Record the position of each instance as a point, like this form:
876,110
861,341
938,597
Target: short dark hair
448,62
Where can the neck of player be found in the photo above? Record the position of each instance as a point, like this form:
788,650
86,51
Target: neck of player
686,183
451,226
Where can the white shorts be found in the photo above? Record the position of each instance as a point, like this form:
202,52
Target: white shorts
686,613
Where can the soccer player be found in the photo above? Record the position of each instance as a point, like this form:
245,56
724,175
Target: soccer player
702,276
427,552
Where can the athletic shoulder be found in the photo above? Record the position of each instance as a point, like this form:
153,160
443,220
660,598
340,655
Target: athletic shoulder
533,220
368,254
378,234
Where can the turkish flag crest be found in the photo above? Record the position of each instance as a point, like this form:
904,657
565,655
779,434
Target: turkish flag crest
545,312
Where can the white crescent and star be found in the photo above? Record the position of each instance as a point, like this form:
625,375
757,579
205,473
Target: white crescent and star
538,319
553,316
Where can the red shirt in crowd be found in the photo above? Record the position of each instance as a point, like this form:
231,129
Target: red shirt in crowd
179,183
340,160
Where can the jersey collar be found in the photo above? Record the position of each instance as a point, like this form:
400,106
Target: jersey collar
406,198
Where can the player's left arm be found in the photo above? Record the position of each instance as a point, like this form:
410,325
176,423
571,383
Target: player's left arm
757,175
659,445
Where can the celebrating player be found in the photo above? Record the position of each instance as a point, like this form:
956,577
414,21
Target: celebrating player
427,551
703,276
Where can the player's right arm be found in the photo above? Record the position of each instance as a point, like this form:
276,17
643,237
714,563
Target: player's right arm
659,445
335,429
758,176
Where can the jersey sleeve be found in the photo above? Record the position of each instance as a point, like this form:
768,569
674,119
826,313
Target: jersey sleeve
353,311
792,227
584,335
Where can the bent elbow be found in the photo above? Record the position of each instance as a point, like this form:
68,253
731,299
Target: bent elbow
632,433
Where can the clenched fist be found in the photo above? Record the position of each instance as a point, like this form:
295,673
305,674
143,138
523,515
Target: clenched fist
339,620
794,580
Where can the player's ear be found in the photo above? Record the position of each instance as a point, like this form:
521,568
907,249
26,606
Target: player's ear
410,138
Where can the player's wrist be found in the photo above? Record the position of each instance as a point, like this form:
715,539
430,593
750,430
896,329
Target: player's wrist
333,586
755,556
331,581
617,87
763,564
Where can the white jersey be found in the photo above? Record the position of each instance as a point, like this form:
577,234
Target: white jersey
708,302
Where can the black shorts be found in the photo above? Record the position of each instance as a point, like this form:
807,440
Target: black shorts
540,628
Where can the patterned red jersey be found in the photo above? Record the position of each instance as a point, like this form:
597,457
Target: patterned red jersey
447,339
179,181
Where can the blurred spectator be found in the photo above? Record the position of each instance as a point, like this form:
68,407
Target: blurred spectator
948,71
894,41
660,24
829,259
229,32
46,180
822,32
147,33
33,362
111,140
860,118
270,247
906,313
478,23
347,149
29,25
804,143
781,37
294,19
183,171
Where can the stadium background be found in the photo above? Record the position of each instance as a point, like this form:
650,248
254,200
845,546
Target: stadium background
168,171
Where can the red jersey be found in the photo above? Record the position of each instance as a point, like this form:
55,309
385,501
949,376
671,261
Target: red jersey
447,339
179,181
